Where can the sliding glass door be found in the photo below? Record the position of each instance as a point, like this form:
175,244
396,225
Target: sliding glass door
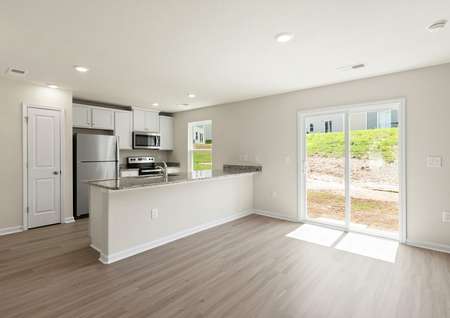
325,168
350,161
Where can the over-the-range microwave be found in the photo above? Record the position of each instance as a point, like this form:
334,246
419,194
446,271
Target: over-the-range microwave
145,140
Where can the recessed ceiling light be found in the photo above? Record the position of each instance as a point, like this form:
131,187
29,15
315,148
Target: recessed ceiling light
284,37
192,95
440,24
155,104
81,69
52,86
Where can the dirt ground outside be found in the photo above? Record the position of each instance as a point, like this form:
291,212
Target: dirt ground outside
374,191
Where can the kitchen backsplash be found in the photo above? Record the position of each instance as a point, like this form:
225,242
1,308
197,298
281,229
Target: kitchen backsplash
159,155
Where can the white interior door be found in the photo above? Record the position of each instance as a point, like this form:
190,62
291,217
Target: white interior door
44,167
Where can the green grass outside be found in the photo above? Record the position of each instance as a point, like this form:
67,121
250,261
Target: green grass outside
202,160
363,142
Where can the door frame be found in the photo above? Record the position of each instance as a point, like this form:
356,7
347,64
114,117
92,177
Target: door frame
301,193
25,107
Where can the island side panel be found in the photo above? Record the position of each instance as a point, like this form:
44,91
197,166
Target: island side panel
98,219
181,208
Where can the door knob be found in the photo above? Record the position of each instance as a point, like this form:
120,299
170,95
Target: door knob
55,173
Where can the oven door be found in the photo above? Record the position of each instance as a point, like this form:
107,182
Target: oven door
143,140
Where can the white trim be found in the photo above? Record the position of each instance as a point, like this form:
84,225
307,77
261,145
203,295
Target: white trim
25,107
398,104
95,248
11,230
108,259
429,246
70,219
401,118
275,215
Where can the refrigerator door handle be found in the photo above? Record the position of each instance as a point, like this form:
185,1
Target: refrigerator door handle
117,158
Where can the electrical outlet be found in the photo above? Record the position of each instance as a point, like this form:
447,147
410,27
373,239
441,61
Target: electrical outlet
446,216
154,213
434,162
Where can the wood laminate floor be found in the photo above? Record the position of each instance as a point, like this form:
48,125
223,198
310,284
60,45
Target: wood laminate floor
246,268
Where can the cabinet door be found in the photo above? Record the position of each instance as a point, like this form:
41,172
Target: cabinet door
138,120
81,116
166,131
102,119
123,127
151,121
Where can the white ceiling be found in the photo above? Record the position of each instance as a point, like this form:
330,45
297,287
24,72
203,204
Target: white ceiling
142,51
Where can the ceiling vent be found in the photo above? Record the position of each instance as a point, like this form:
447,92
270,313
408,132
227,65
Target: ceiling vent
437,25
16,71
351,67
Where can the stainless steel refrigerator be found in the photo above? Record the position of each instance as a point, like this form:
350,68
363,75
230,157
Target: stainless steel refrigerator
96,157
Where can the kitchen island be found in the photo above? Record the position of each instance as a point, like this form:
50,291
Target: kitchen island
131,215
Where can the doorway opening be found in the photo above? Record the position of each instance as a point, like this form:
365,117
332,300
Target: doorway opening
351,161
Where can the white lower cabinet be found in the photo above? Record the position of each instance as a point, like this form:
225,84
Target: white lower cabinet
123,127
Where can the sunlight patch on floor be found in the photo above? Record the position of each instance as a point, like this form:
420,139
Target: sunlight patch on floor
360,244
316,234
370,246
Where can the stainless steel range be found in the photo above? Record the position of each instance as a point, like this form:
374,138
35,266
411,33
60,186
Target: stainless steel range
146,165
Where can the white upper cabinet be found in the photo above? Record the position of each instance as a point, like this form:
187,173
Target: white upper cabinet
138,120
81,116
152,121
123,127
102,118
145,120
166,131
84,116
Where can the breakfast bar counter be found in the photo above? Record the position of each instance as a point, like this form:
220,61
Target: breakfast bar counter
132,215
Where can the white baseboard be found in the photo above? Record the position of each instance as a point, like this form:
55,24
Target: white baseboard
11,230
274,215
430,246
95,248
108,259
69,220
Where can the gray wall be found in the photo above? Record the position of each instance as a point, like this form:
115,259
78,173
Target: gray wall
12,94
265,130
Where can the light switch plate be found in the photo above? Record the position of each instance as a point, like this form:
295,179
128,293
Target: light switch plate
434,162
154,213
446,216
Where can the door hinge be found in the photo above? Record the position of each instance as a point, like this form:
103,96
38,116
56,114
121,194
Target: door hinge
26,119
28,209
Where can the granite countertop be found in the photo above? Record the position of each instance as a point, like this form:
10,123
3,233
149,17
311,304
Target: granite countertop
149,181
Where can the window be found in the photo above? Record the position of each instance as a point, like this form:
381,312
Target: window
200,146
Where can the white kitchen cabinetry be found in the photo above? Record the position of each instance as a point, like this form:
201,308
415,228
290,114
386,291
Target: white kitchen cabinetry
102,118
81,116
84,116
145,120
123,127
166,131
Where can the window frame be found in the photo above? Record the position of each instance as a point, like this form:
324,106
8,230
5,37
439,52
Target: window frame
190,148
